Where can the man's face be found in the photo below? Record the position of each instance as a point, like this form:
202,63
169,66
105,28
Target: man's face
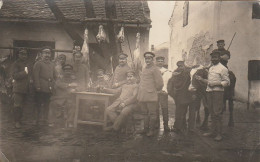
62,60
100,75
122,61
23,56
148,60
130,78
67,72
160,63
221,45
46,54
77,57
215,59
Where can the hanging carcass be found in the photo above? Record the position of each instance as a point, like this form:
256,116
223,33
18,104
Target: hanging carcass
101,37
121,35
85,48
136,62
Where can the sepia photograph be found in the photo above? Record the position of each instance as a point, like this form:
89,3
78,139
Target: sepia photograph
129,81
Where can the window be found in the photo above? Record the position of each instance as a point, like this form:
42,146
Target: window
256,10
185,13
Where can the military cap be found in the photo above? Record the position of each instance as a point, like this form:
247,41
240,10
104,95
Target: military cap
22,51
45,48
221,41
149,54
215,53
179,63
62,56
67,67
160,58
122,55
130,72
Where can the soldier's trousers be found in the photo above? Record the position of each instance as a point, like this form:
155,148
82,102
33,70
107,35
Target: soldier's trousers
215,105
61,109
163,104
19,101
180,115
42,105
119,116
149,109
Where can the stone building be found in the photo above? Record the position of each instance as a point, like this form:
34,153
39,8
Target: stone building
196,26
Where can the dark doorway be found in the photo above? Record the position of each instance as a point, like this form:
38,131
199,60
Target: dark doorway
32,44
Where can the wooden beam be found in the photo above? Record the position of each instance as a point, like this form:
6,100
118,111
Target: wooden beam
61,18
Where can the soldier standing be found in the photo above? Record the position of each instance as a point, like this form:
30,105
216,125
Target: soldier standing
119,76
44,75
151,82
163,95
22,78
224,54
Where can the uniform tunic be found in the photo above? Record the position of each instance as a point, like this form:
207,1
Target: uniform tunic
120,75
151,82
44,75
81,74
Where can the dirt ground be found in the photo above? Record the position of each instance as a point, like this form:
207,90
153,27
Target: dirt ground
90,143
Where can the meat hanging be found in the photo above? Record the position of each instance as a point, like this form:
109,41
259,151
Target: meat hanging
85,48
121,35
101,37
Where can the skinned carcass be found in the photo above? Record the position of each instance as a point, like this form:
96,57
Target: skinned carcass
85,48
121,35
101,37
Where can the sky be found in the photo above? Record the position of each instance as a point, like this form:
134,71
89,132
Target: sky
160,13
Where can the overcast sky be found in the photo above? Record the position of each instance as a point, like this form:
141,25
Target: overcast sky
160,13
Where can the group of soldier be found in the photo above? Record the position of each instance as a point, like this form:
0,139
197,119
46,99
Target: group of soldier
148,91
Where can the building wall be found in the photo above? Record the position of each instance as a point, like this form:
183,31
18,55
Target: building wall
34,32
210,21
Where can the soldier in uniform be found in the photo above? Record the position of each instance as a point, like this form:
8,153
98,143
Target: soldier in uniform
119,111
119,76
44,76
80,70
224,54
150,83
22,78
163,95
61,60
61,105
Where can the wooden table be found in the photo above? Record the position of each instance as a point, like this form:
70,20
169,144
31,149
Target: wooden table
103,97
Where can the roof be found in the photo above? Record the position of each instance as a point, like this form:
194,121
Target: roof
73,10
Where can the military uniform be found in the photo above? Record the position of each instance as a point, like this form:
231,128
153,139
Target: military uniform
81,73
119,115
20,86
61,102
151,82
44,78
119,76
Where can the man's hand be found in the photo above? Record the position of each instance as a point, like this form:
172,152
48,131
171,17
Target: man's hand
214,83
73,85
122,105
116,85
198,77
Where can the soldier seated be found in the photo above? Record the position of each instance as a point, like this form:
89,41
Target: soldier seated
61,105
122,107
